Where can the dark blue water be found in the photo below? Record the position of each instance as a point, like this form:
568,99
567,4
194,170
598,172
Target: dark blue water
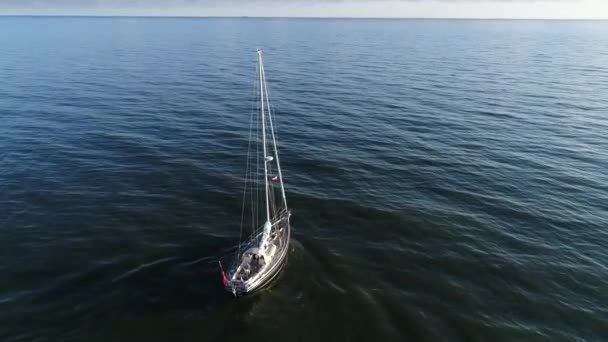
448,179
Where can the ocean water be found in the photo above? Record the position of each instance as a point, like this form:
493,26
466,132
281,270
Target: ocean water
448,179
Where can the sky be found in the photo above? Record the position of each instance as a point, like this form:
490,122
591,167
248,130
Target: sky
516,9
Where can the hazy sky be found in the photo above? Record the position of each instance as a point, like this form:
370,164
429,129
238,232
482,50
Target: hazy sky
566,9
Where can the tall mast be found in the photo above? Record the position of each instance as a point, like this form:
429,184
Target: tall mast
274,141
264,135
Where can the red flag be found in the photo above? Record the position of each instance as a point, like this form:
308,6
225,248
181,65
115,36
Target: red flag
275,178
224,279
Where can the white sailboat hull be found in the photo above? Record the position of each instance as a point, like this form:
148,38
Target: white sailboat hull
238,286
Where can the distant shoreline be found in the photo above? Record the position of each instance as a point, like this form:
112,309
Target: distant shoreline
303,18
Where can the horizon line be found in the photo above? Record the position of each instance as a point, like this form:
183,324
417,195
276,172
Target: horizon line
290,17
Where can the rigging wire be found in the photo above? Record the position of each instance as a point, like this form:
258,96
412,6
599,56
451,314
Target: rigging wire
252,175
274,138
256,177
247,171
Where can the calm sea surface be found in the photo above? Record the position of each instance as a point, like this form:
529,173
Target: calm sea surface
448,179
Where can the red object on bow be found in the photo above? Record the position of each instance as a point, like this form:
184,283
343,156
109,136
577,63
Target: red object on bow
224,279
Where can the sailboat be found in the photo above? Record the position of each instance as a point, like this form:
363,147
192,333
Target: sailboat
261,256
